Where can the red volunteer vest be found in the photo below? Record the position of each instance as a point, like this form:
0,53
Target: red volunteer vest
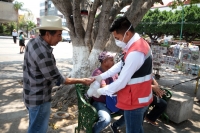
138,93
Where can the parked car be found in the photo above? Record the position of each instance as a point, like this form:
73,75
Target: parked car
66,37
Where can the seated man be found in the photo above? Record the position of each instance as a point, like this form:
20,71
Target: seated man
105,105
159,105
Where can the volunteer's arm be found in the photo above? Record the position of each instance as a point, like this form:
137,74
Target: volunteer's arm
133,62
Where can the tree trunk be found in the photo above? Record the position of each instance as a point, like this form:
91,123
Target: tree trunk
111,46
82,59
80,62
90,35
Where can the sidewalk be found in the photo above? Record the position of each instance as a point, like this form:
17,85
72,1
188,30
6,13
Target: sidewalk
9,37
6,37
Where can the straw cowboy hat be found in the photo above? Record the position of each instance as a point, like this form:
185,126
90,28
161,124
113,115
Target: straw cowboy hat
51,23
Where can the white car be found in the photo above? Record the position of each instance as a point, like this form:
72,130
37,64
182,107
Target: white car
66,37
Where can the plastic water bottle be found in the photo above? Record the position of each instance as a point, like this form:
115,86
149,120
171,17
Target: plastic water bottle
93,86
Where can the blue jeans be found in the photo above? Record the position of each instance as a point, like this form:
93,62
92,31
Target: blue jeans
105,117
159,106
134,120
39,118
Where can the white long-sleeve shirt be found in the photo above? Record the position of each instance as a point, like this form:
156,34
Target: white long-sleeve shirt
133,62
14,33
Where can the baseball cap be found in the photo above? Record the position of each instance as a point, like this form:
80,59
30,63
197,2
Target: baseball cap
103,55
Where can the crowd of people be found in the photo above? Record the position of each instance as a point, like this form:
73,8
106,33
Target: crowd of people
125,87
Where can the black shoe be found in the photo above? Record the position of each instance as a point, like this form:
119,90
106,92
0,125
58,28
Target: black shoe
113,128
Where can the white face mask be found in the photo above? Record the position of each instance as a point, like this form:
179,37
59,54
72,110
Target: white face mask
122,44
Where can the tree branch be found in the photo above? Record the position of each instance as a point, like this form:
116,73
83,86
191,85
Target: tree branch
65,7
95,27
91,18
115,9
117,6
79,30
104,24
138,9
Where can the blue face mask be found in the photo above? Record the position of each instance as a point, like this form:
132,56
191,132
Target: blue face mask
122,44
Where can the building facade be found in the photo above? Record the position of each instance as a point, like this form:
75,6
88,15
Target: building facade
47,8
7,11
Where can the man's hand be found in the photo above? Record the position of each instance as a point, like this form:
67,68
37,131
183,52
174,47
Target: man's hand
87,81
157,90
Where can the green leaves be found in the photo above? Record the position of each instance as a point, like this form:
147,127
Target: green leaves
156,23
18,5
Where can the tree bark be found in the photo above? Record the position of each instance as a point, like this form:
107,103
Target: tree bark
137,10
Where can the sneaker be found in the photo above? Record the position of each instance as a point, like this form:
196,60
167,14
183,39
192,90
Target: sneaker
113,129
151,122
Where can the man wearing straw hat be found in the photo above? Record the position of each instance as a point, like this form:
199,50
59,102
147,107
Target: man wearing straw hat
40,73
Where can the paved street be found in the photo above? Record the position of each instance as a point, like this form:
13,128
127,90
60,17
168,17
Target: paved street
9,54
14,117
10,51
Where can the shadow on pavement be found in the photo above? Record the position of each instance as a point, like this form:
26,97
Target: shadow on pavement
13,116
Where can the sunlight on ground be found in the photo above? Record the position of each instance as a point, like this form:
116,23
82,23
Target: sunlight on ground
10,92
23,125
12,106
6,127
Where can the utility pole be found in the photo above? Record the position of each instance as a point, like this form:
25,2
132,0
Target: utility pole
46,7
182,24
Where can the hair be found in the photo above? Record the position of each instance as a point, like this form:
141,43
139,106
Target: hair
121,25
21,33
51,32
101,61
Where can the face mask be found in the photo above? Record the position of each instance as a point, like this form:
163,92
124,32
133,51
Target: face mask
122,44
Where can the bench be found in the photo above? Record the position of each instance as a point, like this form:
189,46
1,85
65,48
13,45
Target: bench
87,114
